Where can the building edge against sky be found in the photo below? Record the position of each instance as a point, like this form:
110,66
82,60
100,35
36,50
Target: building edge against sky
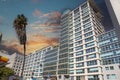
114,11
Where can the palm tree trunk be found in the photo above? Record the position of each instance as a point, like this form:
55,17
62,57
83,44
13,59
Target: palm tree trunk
23,59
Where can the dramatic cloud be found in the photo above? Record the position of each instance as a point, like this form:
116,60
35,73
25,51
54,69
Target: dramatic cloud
47,22
35,43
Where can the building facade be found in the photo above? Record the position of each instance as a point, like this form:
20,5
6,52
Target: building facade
51,64
114,11
79,54
34,64
16,63
110,55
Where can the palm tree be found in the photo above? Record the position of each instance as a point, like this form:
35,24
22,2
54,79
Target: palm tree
20,27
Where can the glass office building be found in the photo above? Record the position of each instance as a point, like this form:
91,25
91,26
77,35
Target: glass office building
110,55
79,57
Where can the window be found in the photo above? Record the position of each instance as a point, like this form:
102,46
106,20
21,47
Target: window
87,25
85,17
84,6
93,77
71,55
78,77
71,50
111,68
119,66
71,71
79,53
108,76
89,39
71,60
90,50
80,64
79,58
107,68
85,21
78,43
113,76
77,29
78,48
88,34
89,44
71,65
70,45
93,62
79,71
78,33
87,29
91,56
78,38
92,70
76,10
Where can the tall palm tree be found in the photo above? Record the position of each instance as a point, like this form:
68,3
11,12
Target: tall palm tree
20,27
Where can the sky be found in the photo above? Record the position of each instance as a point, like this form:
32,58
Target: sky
43,17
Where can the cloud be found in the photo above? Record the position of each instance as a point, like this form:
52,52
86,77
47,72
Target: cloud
35,42
52,30
47,22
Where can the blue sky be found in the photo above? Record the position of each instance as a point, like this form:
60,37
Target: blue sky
43,20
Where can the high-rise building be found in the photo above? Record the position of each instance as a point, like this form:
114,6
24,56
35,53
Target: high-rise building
79,54
114,10
51,64
34,64
110,55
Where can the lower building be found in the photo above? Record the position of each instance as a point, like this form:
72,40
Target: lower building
110,55
34,64
15,61
50,64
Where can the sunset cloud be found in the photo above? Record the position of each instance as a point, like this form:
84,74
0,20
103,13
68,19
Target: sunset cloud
37,42
47,22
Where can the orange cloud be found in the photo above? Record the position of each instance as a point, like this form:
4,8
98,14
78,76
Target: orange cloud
35,42
52,30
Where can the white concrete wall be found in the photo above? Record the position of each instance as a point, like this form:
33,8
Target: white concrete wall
116,71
